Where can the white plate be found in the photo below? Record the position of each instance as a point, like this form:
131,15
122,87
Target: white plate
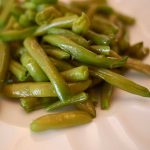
125,126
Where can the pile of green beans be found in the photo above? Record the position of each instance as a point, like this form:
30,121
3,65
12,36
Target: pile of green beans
55,55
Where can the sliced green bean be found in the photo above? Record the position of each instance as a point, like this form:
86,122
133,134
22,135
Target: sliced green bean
106,95
30,104
101,49
81,25
104,26
138,66
40,89
44,1
120,82
37,52
61,65
76,74
56,52
99,39
82,54
47,15
62,22
33,68
88,107
18,70
71,35
4,61
5,13
60,120
76,99
14,35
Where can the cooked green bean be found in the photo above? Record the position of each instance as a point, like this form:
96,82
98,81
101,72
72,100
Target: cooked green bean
40,89
33,68
81,25
120,82
76,74
71,35
61,65
36,51
99,39
4,61
62,22
106,95
101,49
56,52
60,120
5,13
104,26
18,70
76,99
14,35
47,15
82,54
33,103
44,1
88,107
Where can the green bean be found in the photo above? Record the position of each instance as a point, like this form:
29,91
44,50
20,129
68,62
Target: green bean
106,94
81,25
138,51
76,99
82,54
62,22
99,39
29,5
18,70
36,51
61,65
24,21
14,35
138,66
71,35
125,19
104,26
101,49
60,120
4,61
44,1
120,82
56,52
88,107
4,15
33,103
33,68
10,23
76,74
47,15
40,89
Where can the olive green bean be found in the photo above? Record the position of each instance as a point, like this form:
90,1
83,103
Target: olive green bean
101,49
33,68
60,120
40,89
82,54
56,52
106,95
47,15
76,99
44,1
99,39
18,70
4,61
71,35
62,22
14,35
120,82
